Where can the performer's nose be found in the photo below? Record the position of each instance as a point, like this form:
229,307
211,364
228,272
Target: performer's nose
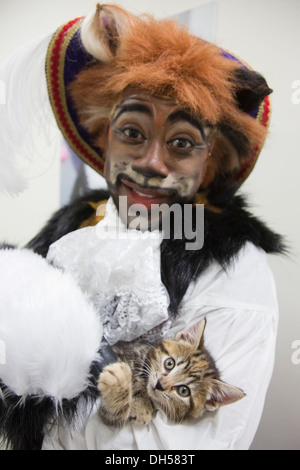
152,162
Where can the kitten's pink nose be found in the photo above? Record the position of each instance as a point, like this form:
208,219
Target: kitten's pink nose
159,386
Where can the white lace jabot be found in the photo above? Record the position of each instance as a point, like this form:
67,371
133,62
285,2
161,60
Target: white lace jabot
119,270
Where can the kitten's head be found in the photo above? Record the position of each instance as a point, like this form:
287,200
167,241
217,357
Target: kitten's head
183,379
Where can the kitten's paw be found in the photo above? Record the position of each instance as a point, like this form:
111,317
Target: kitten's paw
115,387
141,413
116,374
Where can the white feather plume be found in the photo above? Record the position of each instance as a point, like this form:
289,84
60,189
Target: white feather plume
26,118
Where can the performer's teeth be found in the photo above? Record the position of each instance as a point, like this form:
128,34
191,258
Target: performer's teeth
144,195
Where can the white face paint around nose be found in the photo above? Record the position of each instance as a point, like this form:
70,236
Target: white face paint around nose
174,182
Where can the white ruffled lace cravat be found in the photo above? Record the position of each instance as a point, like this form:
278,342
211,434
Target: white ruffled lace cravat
119,270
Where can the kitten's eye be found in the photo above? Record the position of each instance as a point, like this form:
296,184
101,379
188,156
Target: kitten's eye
183,391
169,363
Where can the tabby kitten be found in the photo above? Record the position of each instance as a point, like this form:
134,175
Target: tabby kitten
177,376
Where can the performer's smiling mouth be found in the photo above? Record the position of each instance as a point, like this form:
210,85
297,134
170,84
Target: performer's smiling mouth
138,194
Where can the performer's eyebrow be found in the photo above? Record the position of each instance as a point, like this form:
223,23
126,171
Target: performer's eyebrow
183,115
176,116
131,108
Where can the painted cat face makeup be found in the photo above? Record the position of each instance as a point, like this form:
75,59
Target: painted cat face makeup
156,152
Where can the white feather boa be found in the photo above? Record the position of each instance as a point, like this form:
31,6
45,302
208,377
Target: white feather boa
49,332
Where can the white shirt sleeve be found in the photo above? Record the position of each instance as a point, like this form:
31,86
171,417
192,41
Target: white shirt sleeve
240,306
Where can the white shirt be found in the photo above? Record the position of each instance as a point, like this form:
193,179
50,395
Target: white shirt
240,306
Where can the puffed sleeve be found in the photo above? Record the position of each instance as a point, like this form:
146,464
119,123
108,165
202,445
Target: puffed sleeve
50,338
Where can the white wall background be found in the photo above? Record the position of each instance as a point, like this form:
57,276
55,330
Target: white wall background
266,34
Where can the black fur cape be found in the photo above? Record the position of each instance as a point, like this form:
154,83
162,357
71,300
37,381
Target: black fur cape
225,233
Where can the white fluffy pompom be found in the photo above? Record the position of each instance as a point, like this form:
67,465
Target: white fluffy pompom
49,333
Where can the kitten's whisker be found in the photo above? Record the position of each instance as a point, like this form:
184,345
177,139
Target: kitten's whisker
150,345
146,363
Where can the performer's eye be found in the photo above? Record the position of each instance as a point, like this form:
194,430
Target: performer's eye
132,133
186,145
181,143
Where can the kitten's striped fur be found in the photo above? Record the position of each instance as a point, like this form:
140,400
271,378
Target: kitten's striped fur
178,376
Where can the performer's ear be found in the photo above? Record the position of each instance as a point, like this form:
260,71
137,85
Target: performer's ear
102,30
252,88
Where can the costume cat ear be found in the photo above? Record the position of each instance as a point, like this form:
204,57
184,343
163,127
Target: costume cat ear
101,31
194,335
222,394
251,89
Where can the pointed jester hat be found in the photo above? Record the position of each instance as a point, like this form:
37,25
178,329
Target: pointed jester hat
91,61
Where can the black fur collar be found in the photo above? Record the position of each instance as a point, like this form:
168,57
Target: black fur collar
225,233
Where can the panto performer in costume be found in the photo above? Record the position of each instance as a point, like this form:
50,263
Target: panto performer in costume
167,118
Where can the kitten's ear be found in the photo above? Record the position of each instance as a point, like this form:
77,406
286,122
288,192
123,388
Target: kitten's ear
222,394
194,335
102,30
